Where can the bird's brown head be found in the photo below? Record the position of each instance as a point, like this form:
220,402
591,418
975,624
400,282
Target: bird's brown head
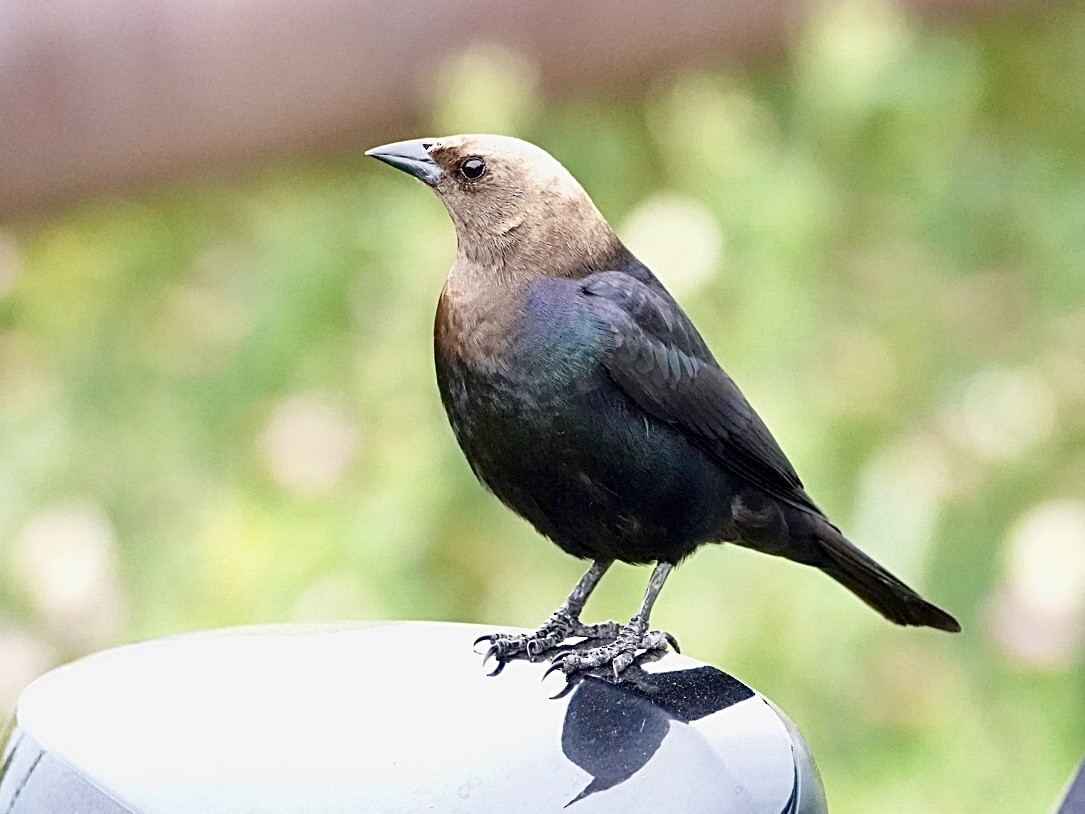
514,206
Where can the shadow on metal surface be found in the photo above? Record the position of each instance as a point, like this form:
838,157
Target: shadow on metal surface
396,717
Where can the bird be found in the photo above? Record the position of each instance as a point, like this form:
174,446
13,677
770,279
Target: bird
584,398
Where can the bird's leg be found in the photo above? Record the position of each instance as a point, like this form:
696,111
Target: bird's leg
563,623
632,638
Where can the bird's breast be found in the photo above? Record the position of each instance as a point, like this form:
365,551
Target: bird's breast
536,386
525,340
547,429
524,386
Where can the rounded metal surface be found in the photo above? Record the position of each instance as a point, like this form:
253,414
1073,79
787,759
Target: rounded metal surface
396,717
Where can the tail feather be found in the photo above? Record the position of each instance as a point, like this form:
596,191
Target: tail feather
877,587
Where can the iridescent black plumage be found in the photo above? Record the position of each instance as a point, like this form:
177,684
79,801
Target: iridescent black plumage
584,398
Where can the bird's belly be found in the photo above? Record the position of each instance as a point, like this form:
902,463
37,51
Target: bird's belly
590,469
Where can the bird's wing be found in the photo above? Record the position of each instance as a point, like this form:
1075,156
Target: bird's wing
658,358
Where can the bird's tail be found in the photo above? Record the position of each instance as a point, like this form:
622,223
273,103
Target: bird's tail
876,586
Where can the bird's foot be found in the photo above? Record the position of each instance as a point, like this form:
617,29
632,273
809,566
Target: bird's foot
561,625
632,639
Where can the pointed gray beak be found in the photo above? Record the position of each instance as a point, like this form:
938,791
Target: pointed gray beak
411,157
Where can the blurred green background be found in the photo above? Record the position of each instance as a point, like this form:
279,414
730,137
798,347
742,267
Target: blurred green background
217,403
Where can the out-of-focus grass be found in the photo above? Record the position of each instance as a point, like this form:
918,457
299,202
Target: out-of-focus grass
217,403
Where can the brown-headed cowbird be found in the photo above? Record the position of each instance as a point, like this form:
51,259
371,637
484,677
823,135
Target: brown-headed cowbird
585,399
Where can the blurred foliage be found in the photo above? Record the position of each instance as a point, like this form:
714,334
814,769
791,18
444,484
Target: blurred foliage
217,403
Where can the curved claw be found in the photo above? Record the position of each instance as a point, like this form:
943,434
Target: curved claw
497,670
620,663
486,637
568,688
553,668
490,653
673,642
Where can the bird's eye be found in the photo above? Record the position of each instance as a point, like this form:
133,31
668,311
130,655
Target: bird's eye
472,168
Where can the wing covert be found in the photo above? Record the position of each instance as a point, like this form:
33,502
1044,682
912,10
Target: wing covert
660,360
